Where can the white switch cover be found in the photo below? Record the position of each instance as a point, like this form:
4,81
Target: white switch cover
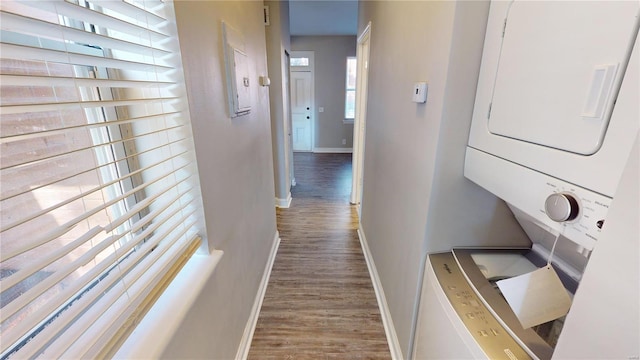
420,92
320,109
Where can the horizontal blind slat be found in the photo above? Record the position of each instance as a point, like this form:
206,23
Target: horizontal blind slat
65,8
102,324
36,27
37,317
49,258
127,8
41,107
4,227
88,125
14,51
52,330
78,341
116,336
10,254
97,145
37,290
48,236
30,80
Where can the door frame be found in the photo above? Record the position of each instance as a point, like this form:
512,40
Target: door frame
310,68
359,121
288,146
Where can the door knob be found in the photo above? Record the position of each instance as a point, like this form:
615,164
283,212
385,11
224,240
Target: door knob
307,108
307,117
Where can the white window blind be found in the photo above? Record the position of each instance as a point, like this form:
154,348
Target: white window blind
99,200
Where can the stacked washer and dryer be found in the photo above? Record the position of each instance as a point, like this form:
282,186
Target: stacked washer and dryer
556,118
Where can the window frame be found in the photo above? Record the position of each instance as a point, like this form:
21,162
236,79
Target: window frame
350,89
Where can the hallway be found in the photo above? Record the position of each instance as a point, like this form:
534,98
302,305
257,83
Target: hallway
320,302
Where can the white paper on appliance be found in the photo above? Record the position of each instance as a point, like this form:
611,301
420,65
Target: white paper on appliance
536,297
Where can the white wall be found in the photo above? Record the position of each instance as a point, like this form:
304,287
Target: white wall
236,175
330,69
604,320
415,198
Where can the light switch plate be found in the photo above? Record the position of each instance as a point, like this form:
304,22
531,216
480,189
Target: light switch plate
420,92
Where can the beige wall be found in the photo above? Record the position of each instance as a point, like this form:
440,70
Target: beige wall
331,54
236,174
415,198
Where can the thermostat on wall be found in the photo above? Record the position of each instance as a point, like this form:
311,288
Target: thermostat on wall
420,92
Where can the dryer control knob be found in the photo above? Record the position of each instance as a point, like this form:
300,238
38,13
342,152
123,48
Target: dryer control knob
561,207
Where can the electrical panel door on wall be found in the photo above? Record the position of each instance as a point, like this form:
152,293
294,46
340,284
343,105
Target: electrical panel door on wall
241,85
237,72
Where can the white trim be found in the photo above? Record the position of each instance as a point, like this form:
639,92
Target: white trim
387,321
250,328
284,203
150,338
333,150
359,121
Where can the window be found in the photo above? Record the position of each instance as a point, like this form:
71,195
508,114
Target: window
300,61
100,196
350,93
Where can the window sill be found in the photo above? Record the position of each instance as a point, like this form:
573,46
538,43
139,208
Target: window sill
347,121
150,338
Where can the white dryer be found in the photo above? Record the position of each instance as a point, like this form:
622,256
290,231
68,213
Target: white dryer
556,110
558,88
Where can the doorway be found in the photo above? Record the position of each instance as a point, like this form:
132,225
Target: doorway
302,100
362,76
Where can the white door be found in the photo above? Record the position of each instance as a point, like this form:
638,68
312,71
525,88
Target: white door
301,111
362,78
558,90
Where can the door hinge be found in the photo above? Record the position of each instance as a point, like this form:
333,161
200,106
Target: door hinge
489,112
504,27
265,13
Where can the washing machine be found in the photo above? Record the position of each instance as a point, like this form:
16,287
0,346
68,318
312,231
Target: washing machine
464,316
555,118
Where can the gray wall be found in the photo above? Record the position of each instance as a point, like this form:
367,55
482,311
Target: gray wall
331,54
236,175
278,41
415,198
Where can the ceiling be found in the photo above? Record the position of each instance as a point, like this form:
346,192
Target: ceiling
323,17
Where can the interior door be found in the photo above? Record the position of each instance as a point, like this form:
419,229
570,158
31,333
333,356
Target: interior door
544,60
301,112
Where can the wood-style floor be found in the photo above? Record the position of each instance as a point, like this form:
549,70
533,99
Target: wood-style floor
320,303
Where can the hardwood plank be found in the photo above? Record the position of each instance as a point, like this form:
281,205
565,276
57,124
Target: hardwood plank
319,303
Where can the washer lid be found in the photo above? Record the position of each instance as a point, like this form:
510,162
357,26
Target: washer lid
560,69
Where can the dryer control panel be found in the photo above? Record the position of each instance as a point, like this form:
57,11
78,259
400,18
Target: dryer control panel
590,210
576,213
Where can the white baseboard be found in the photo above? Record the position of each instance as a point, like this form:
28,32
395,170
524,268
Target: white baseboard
245,342
284,203
387,322
333,150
